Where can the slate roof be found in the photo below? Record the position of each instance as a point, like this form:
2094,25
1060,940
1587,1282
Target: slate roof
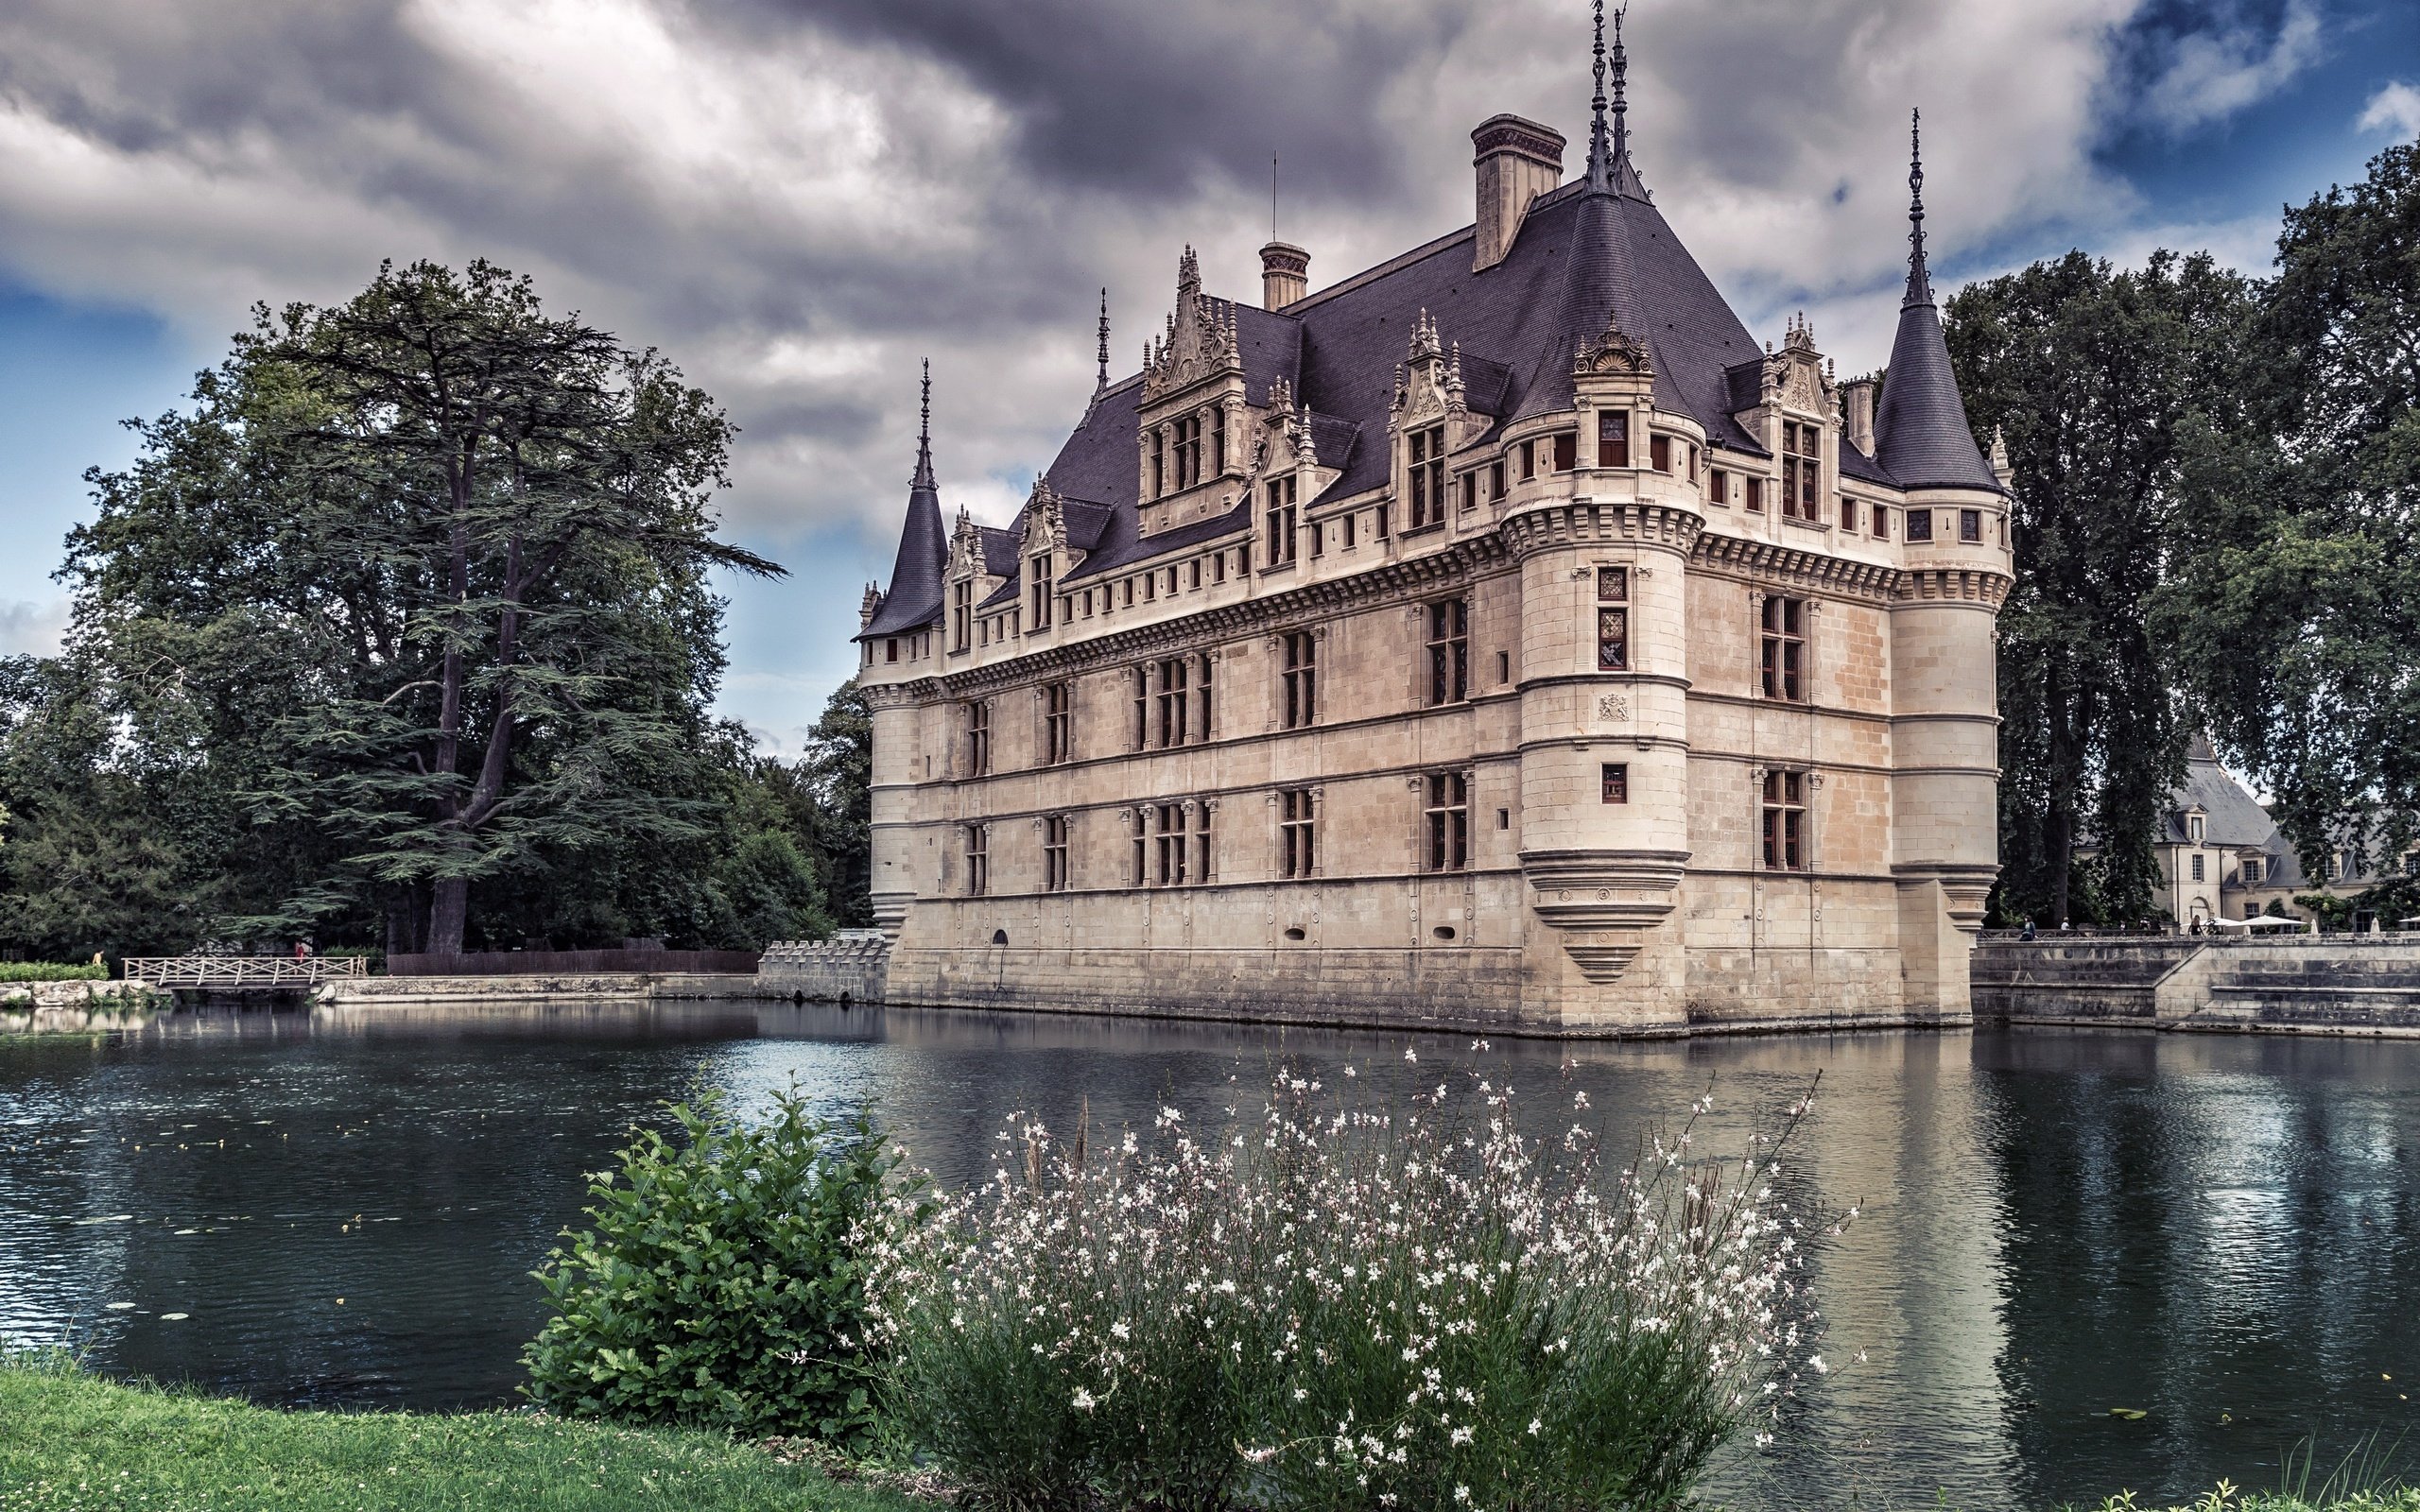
914,599
1591,247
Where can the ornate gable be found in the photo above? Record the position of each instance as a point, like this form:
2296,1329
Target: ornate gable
1201,342
1429,385
966,548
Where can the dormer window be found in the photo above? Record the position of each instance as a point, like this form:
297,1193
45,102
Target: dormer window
1801,452
961,614
1283,517
1159,461
1613,438
1188,453
1218,441
1427,477
2196,826
1039,577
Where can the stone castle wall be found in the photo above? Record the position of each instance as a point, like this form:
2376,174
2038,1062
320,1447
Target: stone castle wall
2329,985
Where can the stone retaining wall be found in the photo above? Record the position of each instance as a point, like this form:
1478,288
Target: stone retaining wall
2327,985
642,985
831,970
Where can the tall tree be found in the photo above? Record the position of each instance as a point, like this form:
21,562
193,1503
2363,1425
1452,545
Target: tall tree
426,574
2298,608
2092,374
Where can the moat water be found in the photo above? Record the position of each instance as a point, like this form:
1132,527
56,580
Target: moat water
2222,1234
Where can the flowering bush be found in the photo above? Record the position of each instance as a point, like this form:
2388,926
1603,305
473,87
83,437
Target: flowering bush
1332,1306
722,1285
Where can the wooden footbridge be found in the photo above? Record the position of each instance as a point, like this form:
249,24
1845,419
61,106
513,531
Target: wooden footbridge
240,973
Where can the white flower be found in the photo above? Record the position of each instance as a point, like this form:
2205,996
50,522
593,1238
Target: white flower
1536,1427
1409,1054
1815,1363
1460,1436
1119,1329
1083,1399
1462,1493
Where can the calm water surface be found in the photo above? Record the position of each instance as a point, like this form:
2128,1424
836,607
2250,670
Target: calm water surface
2223,1233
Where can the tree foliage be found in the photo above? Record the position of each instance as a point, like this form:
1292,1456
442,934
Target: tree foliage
414,601
2296,612
2094,375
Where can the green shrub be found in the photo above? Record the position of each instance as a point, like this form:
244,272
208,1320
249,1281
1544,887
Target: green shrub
1341,1309
50,972
722,1285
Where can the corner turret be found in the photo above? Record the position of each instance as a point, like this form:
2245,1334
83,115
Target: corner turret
1920,433
913,600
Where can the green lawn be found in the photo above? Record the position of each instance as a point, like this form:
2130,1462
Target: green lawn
70,1442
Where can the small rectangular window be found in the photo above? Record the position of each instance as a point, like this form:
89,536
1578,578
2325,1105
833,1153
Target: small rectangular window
1970,525
1318,538
1717,486
1566,450
1496,480
1193,570
1659,452
1613,438
1848,512
890,649
1613,639
1503,668
1528,460
1616,783
1348,522
1755,503
1219,567
2199,867
1880,518
1920,525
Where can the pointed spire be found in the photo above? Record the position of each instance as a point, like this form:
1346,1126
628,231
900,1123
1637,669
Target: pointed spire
1921,434
1104,382
913,598
923,478
1919,281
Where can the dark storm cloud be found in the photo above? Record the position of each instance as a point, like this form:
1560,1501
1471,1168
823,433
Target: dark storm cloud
1140,100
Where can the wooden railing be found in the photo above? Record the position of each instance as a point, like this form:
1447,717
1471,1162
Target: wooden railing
209,972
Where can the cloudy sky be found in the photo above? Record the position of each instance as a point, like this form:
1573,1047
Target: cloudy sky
797,199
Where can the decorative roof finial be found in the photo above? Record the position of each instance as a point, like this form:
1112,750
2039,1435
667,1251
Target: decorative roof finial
1919,281
1600,175
1104,343
1621,72
923,478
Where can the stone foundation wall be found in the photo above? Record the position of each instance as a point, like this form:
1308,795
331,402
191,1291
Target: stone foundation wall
2327,985
832,971
642,985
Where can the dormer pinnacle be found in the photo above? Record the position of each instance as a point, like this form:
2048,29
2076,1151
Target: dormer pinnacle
1102,382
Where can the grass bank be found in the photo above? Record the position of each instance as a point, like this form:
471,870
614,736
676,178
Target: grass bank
70,1442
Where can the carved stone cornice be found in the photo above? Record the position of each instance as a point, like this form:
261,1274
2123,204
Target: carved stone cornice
1249,619
1953,584
1600,522
902,695
1767,562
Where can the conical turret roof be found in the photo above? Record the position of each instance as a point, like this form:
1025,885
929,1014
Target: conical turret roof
1921,434
913,598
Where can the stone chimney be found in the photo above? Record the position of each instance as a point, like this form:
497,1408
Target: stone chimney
1284,274
1857,410
1518,160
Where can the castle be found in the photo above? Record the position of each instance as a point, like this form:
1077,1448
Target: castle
1497,637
